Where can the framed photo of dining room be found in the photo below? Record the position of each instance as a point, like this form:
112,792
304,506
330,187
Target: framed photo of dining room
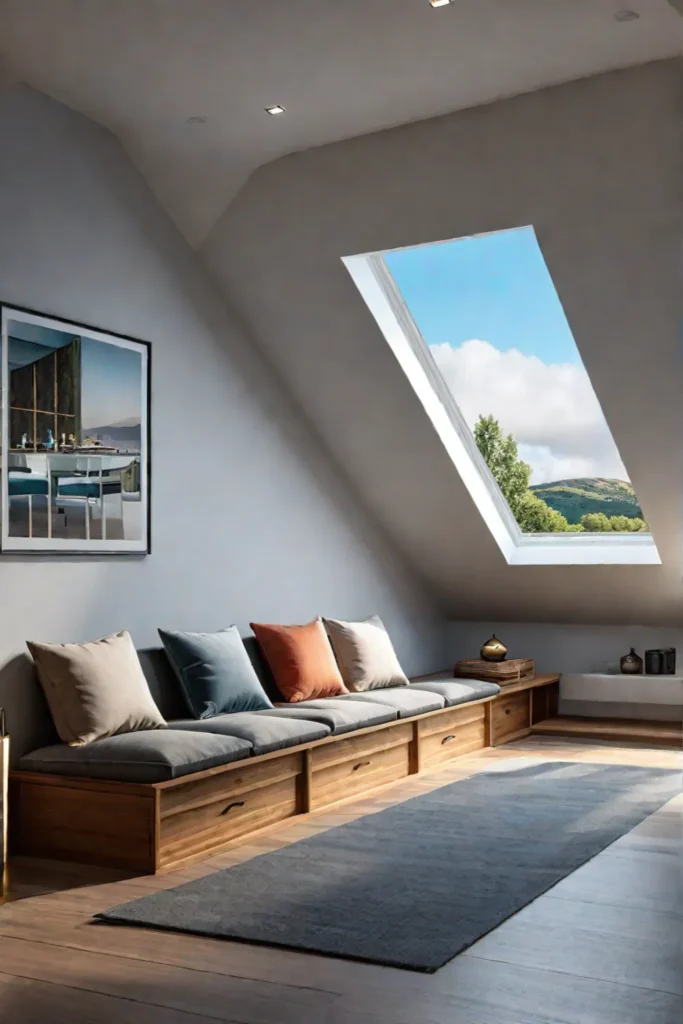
75,459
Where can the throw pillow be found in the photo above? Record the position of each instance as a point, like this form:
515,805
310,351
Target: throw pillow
365,654
301,660
96,689
214,672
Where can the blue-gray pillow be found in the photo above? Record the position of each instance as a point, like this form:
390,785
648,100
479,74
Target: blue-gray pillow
215,672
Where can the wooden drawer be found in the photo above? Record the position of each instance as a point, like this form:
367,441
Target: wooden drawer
358,747
229,817
453,718
452,741
204,814
221,784
509,716
364,771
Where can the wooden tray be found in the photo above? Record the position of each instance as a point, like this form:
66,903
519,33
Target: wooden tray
501,672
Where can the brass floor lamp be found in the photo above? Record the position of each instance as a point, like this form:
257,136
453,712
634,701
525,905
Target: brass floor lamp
4,774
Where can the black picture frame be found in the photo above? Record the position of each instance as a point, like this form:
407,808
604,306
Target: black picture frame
100,471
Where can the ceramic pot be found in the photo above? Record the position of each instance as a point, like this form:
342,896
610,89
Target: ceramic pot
661,661
653,663
668,661
493,650
631,664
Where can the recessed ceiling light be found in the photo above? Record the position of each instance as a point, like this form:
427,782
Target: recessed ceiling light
197,119
440,3
277,109
626,15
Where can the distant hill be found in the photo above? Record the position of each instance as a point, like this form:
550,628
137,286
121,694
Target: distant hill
124,430
576,498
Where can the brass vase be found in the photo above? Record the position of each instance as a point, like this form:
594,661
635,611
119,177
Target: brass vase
494,650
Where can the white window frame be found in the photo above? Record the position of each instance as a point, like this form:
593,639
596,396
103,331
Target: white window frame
384,300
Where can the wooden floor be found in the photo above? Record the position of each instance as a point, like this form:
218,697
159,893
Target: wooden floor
602,947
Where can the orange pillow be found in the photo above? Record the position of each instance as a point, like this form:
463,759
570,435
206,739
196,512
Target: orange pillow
301,660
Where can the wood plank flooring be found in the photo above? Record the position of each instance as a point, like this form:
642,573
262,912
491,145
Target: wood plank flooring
602,947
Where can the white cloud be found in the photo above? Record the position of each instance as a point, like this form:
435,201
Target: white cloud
551,410
546,465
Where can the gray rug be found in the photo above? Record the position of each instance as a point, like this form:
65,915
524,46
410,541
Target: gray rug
415,884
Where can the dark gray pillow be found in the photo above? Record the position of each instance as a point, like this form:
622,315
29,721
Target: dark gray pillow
215,672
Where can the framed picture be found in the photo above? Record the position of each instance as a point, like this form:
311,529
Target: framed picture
75,465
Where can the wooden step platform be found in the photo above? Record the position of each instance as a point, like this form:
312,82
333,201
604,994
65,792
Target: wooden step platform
669,734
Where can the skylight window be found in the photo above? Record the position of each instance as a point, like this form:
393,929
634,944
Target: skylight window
478,327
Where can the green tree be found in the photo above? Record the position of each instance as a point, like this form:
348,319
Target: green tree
512,474
598,522
638,525
628,524
501,455
535,516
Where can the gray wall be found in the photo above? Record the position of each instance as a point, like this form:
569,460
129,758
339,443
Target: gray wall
595,166
251,520
578,648
563,648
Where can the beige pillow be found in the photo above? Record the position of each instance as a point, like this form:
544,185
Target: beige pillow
366,656
95,690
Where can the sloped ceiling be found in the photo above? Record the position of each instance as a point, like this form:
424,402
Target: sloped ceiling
595,167
341,67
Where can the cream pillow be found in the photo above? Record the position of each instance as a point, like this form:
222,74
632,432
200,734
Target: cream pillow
366,656
96,689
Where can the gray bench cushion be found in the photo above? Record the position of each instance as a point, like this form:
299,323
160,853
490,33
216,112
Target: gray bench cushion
404,699
150,756
338,713
263,731
458,691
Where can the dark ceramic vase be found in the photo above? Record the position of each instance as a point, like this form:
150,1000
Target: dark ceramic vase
631,664
493,650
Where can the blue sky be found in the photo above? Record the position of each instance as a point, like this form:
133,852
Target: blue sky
488,309
494,286
111,384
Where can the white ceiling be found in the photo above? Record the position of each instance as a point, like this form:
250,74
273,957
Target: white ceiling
340,67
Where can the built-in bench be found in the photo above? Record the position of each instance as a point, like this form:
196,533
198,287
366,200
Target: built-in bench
150,801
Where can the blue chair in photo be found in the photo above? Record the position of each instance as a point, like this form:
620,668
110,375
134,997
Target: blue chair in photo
22,483
88,489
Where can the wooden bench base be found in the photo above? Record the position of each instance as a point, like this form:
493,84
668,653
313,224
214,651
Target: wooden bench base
626,730
155,827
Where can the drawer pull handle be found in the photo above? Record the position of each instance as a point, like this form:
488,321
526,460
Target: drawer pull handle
237,803
361,764
447,739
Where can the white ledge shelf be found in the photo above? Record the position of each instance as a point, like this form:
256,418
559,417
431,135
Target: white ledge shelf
622,688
